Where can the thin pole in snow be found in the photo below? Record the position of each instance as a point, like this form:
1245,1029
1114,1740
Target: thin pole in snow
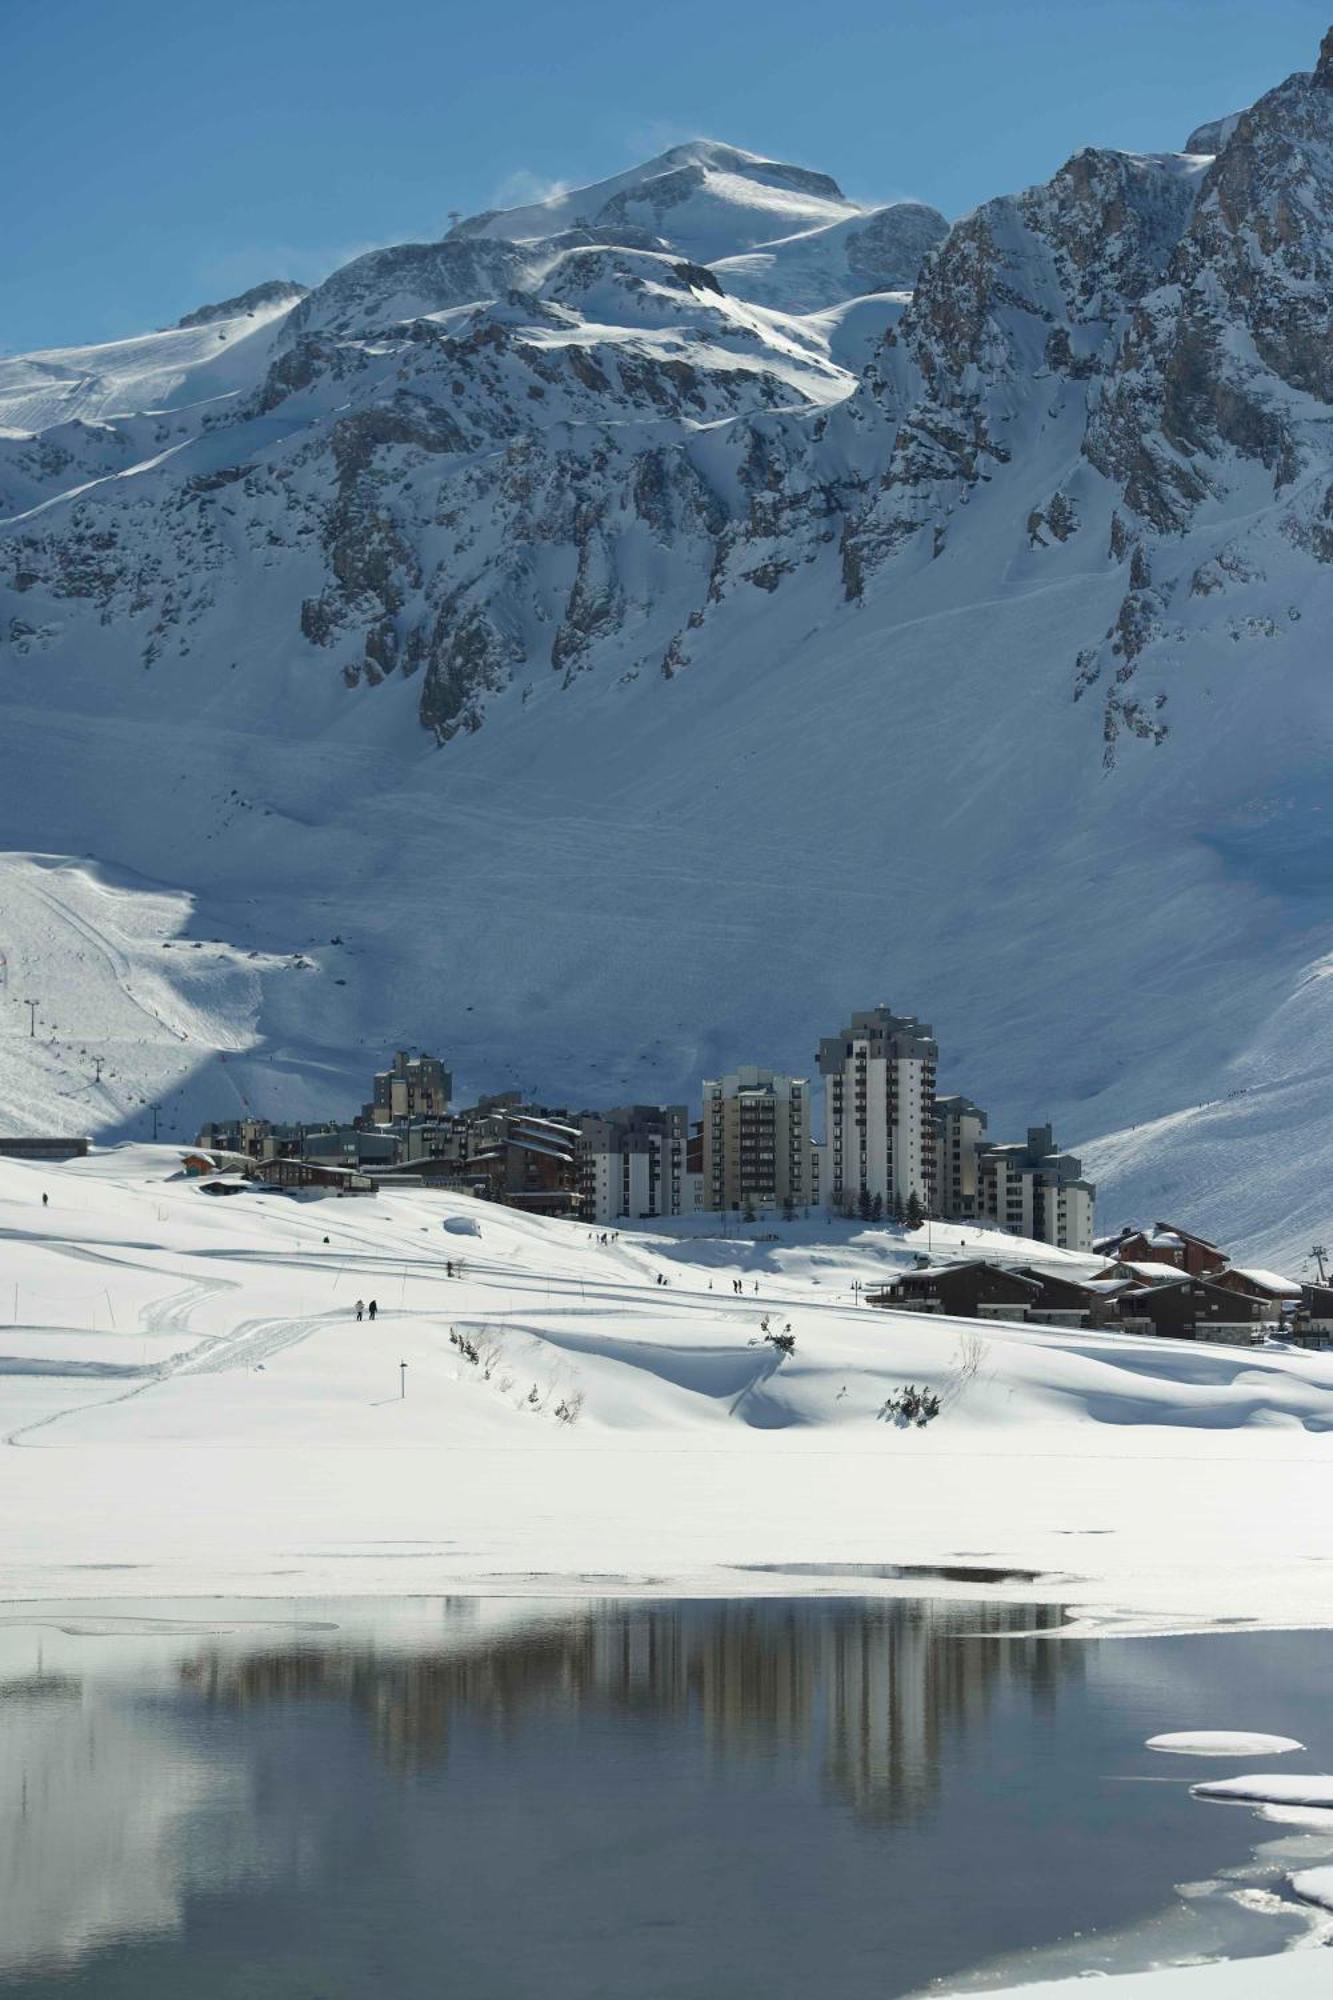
402,1381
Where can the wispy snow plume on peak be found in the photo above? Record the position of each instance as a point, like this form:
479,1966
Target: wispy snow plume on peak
524,189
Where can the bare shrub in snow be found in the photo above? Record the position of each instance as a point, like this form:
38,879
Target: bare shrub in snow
910,1407
972,1352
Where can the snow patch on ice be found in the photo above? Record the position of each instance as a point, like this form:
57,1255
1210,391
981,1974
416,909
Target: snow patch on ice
1223,1743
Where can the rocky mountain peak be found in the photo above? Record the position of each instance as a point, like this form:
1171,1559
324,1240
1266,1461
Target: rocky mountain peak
1323,74
1212,136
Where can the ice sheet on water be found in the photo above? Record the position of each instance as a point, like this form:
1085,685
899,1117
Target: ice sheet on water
1223,1743
1271,1788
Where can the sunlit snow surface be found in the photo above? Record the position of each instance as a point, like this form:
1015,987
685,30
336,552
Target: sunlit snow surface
1223,1743
190,1404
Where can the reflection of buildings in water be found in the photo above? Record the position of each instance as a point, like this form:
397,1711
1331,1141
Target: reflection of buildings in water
876,1690
94,1794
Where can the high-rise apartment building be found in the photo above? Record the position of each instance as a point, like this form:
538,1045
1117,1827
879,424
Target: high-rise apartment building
413,1087
960,1132
756,1140
879,1108
1037,1191
633,1162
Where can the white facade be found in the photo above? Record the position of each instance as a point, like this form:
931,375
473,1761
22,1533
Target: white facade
879,1108
632,1164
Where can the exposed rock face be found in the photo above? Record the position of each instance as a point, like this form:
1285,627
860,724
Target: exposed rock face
560,438
1213,136
887,252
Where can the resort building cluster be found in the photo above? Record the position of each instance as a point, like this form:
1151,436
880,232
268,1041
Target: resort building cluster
892,1148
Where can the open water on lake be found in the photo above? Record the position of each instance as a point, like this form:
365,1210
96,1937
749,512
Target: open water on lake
503,1799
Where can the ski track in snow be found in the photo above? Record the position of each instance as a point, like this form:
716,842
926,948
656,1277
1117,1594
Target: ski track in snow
1188,1474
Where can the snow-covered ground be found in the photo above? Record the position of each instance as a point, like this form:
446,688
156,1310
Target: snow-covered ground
191,1406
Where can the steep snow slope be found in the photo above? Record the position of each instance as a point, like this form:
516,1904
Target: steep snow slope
962,650
878,251
156,371
139,1018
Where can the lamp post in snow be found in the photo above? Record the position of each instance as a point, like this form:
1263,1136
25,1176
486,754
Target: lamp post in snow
31,1006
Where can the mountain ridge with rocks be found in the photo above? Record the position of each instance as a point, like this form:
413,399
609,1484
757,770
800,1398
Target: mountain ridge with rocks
618,547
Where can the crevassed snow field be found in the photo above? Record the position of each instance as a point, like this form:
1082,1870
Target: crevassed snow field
189,1405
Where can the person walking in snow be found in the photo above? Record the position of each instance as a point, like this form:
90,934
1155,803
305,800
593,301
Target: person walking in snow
360,1308
45,1199
371,1309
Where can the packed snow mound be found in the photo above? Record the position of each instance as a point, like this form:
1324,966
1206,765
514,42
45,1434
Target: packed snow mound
1223,1743
703,199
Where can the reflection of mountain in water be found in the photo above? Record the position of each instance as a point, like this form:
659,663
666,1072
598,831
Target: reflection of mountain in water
877,1691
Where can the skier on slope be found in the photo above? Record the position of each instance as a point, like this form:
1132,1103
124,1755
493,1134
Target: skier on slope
360,1308
371,1310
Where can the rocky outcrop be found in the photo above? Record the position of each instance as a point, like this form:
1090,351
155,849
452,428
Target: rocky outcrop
558,442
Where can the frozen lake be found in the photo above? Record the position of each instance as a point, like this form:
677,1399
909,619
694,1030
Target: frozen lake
508,1798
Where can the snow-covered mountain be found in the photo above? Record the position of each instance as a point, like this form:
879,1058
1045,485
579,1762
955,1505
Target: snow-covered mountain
621,636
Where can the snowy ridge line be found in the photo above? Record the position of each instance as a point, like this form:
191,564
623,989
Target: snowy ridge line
536,497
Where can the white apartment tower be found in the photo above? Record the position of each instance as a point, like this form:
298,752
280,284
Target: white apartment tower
756,1140
1037,1191
879,1106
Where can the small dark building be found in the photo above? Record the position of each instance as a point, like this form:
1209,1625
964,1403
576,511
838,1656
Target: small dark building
1313,1325
288,1173
1196,1309
1065,1301
43,1149
1165,1243
961,1291
1267,1286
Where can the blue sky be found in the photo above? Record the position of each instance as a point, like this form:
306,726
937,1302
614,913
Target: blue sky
160,154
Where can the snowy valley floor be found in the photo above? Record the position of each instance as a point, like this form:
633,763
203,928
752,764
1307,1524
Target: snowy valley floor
191,1408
